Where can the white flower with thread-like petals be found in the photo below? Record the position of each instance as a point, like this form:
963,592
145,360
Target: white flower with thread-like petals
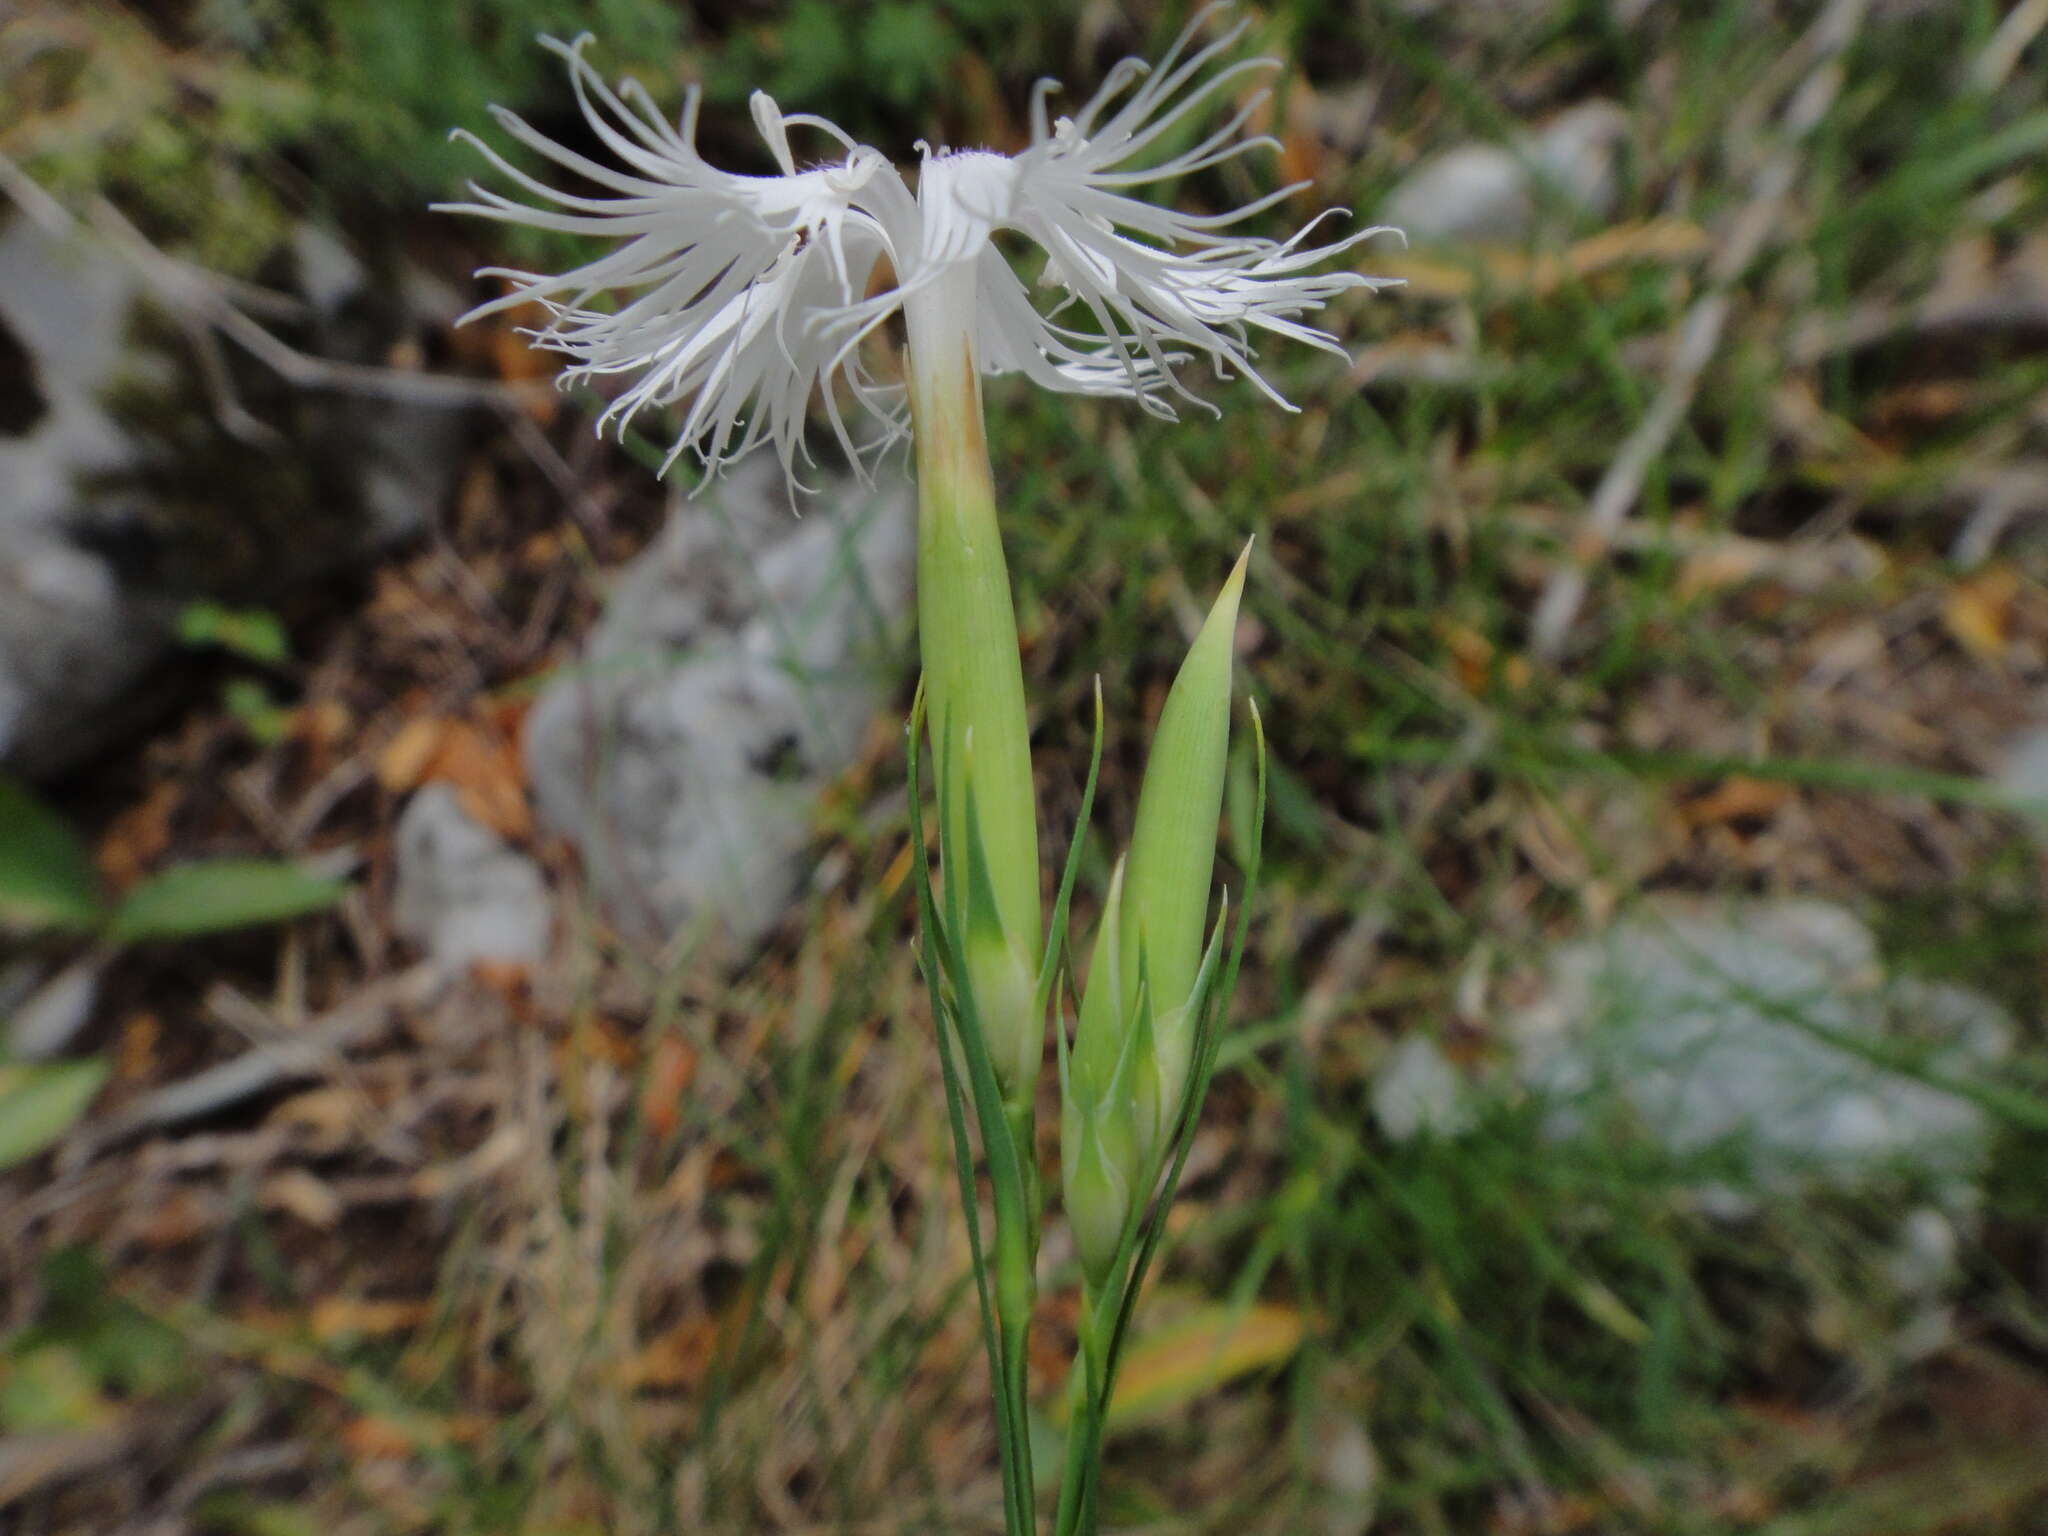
718,275
740,297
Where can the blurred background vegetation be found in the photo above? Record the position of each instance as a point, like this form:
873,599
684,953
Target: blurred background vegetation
1635,1120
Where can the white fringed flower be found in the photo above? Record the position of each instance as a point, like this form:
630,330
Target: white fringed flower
738,297
719,277
1183,283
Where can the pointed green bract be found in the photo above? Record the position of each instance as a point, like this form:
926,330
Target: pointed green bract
1173,852
1100,1168
1099,1037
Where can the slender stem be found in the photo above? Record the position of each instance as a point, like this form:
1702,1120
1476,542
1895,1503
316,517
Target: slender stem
1074,1479
1022,1117
967,631
1087,1409
1016,1289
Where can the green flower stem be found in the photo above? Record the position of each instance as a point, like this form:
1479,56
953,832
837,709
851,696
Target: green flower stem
1023,1118
1088,1387
974,698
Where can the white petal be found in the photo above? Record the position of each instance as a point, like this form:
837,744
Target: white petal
1161,285
964,196
731,294
1014,337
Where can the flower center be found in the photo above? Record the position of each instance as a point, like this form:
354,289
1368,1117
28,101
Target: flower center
964,194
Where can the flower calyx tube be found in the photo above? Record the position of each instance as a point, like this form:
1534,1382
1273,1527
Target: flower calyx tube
974,682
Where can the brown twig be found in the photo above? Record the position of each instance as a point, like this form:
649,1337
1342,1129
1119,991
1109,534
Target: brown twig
309,1052
198,297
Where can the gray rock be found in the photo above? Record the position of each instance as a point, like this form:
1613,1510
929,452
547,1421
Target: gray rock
1345,1469
69,641
50,1014
1493,193
736,669
127,490
1416,1088
2023,776
1751,1030
460,893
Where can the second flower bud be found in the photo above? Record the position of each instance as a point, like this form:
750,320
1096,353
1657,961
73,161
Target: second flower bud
1134,1045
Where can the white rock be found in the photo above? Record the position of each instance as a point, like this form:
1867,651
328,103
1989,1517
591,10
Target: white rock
1346,1468
1417,1089
1489,193
735,672
2023,776
78,631
1745,1030
69,642
1926,1255
329,275
41,1024
460,893
1471,192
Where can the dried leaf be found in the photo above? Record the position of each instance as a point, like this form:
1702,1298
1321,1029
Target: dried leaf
402,765
137,837
1166,1370
371,1437
1978,611
670,1071
179,1217
299,1193
481,761
321,722
1472,654
136,1060
677,1360
326,1117
488,777
1671,241
1735,799
338,1317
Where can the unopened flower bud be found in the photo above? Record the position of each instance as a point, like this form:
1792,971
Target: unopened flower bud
1101,1038
1098,1172
1173,856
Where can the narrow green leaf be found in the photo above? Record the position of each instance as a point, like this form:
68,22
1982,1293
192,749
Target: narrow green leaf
1100,1032
255,633
238,1513
46,877
937,958
40,1101
51,1388
1056,938
215,895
